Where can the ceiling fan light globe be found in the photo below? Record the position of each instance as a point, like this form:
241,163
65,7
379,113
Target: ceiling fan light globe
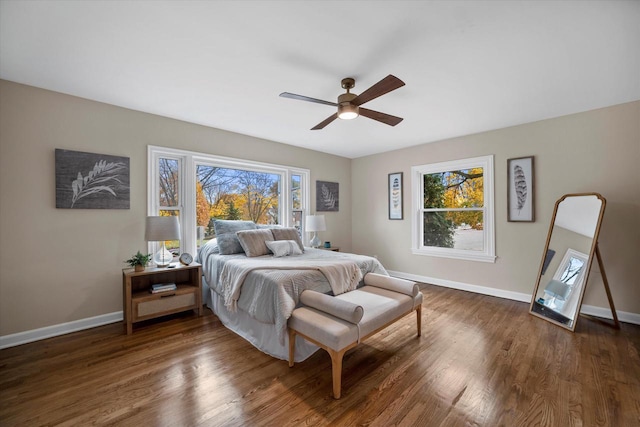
348,111
348,116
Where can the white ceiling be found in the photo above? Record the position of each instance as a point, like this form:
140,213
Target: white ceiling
469,66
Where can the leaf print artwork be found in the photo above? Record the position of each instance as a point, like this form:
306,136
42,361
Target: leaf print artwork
327,196
521,189
96,181
91,181
395,193
520,184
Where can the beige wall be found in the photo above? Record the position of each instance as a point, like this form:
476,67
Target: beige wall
593,151
61,265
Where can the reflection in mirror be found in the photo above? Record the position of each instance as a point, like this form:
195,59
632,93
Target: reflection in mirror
561,292
561,281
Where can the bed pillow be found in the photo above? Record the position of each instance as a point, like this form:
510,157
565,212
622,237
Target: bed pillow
287,234
226,230
253,241
282,248
208,248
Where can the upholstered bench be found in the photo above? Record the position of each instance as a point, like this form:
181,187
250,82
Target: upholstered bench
339,323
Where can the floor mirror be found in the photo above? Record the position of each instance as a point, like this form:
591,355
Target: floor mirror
572,244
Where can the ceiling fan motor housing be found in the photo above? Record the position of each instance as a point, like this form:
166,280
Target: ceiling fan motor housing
346,110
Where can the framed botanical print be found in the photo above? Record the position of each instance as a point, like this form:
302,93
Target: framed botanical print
91,181
395,196
327,196
520,194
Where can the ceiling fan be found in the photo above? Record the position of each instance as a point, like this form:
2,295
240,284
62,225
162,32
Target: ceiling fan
349,104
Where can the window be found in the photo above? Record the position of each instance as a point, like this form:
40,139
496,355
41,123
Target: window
199,188
453,209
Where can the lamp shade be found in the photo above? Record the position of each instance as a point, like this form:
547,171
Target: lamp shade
316,223
558,290
161,228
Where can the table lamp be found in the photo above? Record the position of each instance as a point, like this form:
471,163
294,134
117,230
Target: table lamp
161,229
557,290
315,223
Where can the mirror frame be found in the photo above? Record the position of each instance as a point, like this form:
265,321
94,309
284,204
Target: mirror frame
592,253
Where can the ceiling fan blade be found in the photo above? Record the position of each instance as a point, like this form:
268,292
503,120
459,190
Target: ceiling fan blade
385,85
306,98
387,119
325,122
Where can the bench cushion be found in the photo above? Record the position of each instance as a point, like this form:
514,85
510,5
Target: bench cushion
329,330
380,307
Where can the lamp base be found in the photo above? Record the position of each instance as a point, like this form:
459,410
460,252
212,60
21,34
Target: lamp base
315,242
163,257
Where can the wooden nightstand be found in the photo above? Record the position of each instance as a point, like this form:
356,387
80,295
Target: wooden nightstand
332,248
140,304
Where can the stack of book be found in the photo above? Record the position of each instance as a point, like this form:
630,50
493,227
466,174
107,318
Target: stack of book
163,287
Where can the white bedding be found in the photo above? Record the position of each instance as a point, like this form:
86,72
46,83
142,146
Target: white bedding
269,296
342,275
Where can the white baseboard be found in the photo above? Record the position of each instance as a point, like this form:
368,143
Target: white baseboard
61,329
603,312
516,296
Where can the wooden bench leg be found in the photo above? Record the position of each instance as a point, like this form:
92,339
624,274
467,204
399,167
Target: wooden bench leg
336,371
419,315
292,346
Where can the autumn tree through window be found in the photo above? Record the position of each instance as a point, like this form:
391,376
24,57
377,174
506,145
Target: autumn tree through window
200,188
236,194
453,209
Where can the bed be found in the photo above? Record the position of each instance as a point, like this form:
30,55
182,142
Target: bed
254,294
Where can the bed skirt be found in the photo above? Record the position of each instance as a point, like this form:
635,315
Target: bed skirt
261,335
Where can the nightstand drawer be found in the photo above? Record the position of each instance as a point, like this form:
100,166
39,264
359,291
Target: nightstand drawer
165,304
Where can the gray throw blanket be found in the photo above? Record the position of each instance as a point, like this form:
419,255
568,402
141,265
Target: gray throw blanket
343,276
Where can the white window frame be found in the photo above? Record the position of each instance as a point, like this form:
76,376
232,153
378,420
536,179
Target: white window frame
188,162
417,209
153,191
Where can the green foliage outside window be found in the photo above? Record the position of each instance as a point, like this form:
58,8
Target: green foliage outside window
461,194
438,230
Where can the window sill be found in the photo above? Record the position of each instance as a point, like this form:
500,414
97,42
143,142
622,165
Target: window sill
453,254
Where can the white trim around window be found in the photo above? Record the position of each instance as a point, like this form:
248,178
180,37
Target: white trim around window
417,195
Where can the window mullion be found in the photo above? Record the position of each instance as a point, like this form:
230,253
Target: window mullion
189,242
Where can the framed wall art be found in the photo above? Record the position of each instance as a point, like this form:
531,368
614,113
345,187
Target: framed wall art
520,194
327,196
91,181
395,196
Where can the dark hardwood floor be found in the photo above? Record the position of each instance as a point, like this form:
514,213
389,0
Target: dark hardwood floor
481,361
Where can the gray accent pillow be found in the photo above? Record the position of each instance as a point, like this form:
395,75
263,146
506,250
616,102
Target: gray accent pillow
226,230
282,248
253,241
287,234
210,247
